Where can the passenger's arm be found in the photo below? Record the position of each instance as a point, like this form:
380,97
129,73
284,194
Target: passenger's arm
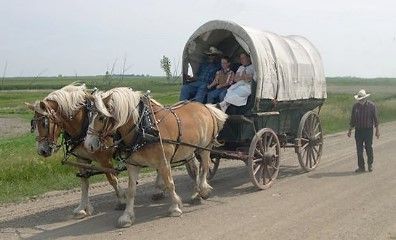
214,82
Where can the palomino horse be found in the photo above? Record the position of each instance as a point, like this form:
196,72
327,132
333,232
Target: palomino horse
64,110
190,123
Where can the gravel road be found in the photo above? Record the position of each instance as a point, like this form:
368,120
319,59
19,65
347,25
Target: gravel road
331,202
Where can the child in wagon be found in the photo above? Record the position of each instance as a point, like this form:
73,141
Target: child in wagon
224,78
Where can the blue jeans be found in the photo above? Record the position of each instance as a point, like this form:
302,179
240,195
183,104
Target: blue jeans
364,139
194,91
216,95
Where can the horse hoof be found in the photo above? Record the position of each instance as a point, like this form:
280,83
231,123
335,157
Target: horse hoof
204,194
176,213
124,221
80,214
158,196
120,206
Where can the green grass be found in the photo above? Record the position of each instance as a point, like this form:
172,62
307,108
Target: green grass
25,174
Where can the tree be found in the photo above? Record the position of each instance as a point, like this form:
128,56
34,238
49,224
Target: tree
166,67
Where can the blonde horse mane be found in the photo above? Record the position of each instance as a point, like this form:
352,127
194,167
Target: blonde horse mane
119,103
70,98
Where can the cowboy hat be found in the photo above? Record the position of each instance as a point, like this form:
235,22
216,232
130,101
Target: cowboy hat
213,51
361,95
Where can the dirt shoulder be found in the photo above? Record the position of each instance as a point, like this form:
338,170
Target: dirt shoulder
13,127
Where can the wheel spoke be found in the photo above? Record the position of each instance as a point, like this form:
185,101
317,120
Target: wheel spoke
316,150
313,121
304,146
265,142
257,168
261,146
315,154
263,175
305,133
316,126
310,157
318,134
270,141
268,173
256,151
307,157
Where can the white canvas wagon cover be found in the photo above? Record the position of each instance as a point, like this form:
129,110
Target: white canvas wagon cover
287,67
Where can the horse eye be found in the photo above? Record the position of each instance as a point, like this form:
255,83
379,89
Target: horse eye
101,118
45,122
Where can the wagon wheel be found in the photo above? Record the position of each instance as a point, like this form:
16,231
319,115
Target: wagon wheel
309,141
213,166
264,158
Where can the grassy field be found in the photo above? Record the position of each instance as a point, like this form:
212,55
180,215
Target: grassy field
24,174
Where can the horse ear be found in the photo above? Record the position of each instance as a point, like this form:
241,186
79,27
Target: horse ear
43,106
89,96
106,99
29,106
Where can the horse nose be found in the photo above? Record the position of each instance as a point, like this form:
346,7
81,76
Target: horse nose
44,152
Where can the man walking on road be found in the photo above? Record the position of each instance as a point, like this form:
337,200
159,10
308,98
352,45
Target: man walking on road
363,118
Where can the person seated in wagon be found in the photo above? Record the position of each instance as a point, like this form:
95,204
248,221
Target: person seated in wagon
224,78
196,87
239,92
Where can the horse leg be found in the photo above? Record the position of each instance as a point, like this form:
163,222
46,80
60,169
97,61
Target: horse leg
113,180
85,208
128,217
120,193
194,166
176,204
159,188
204,187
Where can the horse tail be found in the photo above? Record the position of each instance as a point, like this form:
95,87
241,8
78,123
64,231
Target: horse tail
219,115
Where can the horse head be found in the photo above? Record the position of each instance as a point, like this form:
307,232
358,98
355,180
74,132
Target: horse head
46,124
112,110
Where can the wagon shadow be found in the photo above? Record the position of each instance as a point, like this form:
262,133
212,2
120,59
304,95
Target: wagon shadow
57,223
234,181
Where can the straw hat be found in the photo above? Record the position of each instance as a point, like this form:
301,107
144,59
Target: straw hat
213,51
361,95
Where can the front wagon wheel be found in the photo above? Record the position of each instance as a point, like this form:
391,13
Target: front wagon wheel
264,158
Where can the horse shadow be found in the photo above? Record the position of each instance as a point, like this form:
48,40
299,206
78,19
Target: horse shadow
228,182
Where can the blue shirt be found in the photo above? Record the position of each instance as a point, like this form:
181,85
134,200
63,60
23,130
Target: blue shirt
207,71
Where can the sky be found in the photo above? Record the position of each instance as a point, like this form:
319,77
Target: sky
70,37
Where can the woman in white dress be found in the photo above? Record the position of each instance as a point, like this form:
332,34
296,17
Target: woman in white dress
239,92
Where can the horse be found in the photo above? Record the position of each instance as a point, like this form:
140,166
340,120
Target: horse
66,110
184,130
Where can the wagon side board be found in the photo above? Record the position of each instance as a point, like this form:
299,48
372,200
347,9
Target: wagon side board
240,129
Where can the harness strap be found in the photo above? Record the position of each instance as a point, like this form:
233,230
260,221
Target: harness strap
179,136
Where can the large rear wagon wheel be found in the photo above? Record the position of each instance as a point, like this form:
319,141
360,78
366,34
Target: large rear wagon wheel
213,166
264,158
309,141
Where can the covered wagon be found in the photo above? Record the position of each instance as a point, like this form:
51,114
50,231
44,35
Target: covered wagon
288,91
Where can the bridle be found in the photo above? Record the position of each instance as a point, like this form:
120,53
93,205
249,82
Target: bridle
50,122
51,126
102,134
107,130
